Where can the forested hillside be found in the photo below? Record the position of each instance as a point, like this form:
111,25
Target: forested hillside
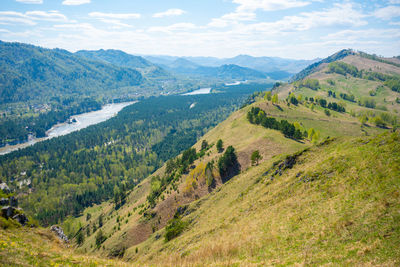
31,73
299,141
122,59
72,172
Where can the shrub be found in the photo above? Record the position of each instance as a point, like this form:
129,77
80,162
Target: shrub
174,228
100,238
228,164
220,147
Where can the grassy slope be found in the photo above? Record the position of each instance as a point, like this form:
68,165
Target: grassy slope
40,247
346,215
358,87
339,204
236,131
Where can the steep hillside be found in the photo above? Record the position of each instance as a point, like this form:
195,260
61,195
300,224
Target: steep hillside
271,209
32,73
122,59
326,208
367,87
40,247
305,175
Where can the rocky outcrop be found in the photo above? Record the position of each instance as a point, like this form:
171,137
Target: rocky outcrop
60,233
11,210
8,211
4,201
21,218
13,201
5,188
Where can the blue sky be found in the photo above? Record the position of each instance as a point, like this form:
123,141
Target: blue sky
301,29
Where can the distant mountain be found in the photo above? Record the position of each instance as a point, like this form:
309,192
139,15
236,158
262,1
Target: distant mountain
275,67
264,64
122,59
183,66
29,72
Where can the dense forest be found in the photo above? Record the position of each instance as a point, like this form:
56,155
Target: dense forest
30,72
68,173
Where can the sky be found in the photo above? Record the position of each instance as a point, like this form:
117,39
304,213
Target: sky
298,29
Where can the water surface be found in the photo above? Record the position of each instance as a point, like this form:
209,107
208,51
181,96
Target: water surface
82,121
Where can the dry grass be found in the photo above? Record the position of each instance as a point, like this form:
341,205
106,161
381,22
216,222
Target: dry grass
346,216
39,247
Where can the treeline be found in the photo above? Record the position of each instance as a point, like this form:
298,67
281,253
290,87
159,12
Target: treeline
258,116
16,130
391,81
71,172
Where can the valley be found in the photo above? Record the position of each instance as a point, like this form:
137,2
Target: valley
223,173
77,122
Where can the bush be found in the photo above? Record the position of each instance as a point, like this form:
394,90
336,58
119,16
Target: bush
228,164
367,102
257,116
220,147
313,84
174,228
100,238
342,68
327,113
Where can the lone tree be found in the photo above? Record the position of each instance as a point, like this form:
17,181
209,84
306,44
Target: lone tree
275,99
220,146
80,238
228,164
204,145
255,157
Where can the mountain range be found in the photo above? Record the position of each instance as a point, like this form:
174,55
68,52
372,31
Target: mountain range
274,67
304,174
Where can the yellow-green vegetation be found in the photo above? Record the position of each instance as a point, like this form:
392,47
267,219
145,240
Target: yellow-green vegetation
338,204
39,247
327,195
366,89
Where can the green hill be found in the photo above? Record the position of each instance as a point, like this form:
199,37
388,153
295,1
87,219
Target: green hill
122,59
31,73
322,189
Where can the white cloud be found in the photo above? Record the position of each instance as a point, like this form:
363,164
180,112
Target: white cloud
246,10
268,5
30,1
75,2
394,2
43,15
232,18
11,17
353,35
169,12
340,14
30,17
388,12
174,27
101,15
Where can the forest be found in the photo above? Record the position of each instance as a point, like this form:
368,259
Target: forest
71,172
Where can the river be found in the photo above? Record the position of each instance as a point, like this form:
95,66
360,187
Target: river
202,91
82,121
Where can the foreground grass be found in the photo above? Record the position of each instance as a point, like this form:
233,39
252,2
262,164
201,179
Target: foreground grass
340,205
39,247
